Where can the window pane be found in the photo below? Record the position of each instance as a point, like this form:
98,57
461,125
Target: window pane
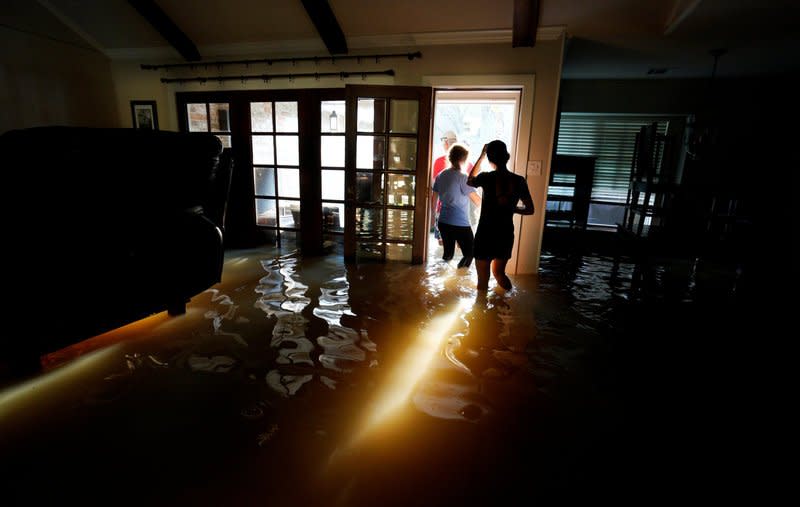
332,217
220,119
261,116
369,188
263,150
400,189
286,116
369,222
398,252
289,213
288,150
333,185
264,180
332,151
333,116
226,141
369,251
404,116
371,115
288,182
399,224
265,212
198,118
402,153
370,153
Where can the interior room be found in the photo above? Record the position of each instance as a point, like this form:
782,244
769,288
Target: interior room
229,290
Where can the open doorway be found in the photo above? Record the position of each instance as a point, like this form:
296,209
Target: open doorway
471,117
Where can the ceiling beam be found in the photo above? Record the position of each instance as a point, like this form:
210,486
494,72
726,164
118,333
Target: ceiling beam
323,18
167,28
526,20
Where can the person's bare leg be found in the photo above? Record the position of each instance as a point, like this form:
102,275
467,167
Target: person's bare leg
482,267
499,272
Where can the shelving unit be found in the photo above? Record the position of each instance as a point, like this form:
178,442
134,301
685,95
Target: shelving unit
652,185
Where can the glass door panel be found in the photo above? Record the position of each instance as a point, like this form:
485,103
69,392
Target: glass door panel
386,153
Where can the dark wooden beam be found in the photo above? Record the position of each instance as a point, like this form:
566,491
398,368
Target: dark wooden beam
167,28
526,19
322,16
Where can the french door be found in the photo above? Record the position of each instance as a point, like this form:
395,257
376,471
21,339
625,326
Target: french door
316,165
386,168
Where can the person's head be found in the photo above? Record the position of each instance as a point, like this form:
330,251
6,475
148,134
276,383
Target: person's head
448,139
457,155
497,153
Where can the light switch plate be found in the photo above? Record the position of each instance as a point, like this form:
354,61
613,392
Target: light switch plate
535,167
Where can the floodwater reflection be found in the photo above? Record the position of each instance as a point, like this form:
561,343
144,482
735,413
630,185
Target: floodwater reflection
406,373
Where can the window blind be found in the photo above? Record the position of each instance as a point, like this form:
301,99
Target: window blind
610,138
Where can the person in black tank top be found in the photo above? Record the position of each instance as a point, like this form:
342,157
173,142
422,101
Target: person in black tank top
502,190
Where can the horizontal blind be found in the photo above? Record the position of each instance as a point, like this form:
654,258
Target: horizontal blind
610,138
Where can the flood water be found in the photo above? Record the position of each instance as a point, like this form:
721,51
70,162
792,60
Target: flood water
305,381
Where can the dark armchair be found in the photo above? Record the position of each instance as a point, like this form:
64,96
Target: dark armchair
106,226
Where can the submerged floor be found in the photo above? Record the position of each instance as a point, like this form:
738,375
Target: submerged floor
308,382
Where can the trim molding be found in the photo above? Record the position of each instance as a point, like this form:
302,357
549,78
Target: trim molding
315,45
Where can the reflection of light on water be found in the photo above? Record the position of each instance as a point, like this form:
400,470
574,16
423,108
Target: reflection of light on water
47,386
409,370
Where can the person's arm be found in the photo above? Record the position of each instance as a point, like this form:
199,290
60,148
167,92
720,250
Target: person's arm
473,172
526,199
474,197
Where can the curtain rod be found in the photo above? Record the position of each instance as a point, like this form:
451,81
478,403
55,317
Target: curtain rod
268,77
293,60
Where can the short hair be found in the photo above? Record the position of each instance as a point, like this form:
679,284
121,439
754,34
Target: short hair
458,153
497,153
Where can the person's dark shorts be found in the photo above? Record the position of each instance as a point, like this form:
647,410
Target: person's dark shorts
493,243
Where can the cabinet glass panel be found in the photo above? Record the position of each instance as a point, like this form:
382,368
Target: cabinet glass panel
332,217
369,251
369,188
333,117
197,117
333,185
263,150
402,154
400,189
288,182
398,252
371,115
220,117
399,224
286,117
261,116
264,180
332,151
370,152
369,223
404,116
289,213
288,150
266,213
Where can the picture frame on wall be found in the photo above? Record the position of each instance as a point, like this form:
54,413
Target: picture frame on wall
144,114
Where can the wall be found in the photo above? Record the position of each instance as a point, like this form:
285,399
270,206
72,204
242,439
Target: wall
543,61
48,74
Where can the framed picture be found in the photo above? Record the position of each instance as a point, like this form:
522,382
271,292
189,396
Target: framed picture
144,115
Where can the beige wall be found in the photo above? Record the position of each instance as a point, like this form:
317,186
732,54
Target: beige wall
49,76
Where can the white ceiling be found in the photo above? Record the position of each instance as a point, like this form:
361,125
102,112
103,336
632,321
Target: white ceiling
606,38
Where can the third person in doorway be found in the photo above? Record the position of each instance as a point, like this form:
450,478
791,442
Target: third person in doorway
502,190
454,194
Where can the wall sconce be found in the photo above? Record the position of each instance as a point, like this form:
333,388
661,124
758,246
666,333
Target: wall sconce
334,121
